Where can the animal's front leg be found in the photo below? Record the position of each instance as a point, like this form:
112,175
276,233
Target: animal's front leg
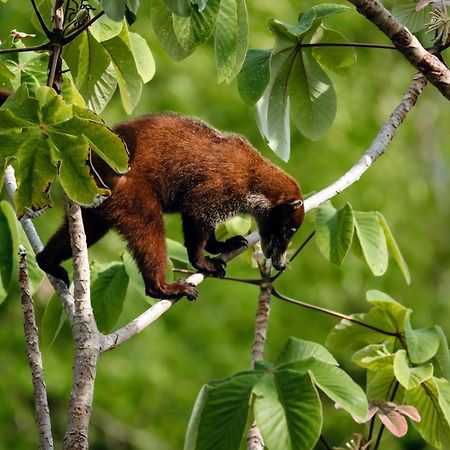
196,235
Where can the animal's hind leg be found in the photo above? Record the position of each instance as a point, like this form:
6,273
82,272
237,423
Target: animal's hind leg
58,247
143,228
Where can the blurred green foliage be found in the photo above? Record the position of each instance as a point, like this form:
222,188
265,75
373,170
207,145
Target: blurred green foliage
146,388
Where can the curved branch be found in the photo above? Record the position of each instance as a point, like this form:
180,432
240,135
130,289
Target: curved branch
376,149
430,65
36,243
36,48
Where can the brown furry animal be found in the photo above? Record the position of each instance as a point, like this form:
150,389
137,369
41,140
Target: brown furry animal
182,165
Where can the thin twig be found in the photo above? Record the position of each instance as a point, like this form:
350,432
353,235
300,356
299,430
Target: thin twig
72,36
36,48
43,422
331,313
305,242
348,44
47,32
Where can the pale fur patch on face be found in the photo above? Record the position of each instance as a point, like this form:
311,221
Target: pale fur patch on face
258,202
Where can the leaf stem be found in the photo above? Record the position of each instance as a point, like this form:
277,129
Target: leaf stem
47,32
76,33
45,46
254,281
294,255
330,313
348,44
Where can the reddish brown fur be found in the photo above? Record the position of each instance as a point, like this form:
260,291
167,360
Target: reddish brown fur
180,164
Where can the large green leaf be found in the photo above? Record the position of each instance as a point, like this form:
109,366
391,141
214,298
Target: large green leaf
313,99
298,350
179,7
143,57
9,247
220,413
394,249
340,60
163,24
230,38
410,377
434,410
34,174
372,240
105,28
120,50
91,67
114,9
316,14
423,343
406,12
381,384
288,411
334,231
198,27
255,75
108,294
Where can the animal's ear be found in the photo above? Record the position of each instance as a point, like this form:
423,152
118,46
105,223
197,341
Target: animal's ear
288,207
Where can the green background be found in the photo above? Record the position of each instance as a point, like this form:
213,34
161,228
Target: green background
145,389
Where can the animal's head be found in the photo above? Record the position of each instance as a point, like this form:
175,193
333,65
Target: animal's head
278,227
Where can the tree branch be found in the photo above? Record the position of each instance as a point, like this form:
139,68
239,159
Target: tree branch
430,65
86,338
76,33
348,44
35,241
377,147
47,32
36,48
34,357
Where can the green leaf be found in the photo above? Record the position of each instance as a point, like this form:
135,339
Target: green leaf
9,246
107,144
254,76
163,24
316,14
238,225
177,251
114,9
434,410
200,3
198,27
5,73
52,321
74,174
90,64
298,350
394,248
339,387
23,106
405,11
443,354
374,357
380,383
372,239
129,80
34,175
108,294
410,377
105,28
220,414
230,38
179,7
340,60
143,57
288,411
334,231
394,311
273,107
313,99
423,343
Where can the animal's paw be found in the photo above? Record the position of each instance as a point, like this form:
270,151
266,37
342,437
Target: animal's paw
236,242
216,267
175,290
